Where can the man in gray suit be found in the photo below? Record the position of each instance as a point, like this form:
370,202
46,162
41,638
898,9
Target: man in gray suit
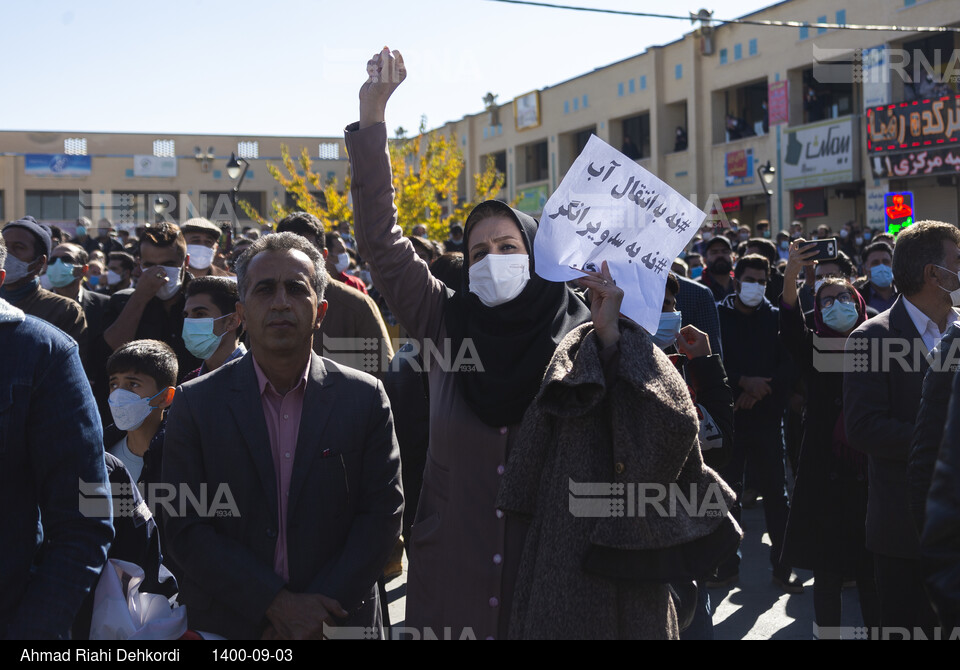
297,455
882,383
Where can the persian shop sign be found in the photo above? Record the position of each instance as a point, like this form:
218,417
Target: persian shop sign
738,167
913,125
819,154
940,160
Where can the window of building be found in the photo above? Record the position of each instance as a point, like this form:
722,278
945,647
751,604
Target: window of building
723,56
499,162
823,99
678,71
636,136
586,102
740,112
566,106
753,48
576,104
290,200
821,30
643,82
53,206
620,89
216,206
841,17
804,32
164,148
632,86
248,149
536,162
930,68
329,151
580,140
737,51
75,146
673,127
909,3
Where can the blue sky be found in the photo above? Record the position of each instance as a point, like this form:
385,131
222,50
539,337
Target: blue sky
294,67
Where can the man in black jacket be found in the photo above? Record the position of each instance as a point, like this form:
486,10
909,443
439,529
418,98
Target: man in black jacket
761,374
940,545
881,398
931,421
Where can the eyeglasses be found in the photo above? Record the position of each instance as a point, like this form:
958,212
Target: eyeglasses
827,301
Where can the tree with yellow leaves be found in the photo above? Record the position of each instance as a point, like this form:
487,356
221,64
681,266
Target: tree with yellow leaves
426,172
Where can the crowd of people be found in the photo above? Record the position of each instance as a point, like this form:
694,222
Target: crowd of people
192,383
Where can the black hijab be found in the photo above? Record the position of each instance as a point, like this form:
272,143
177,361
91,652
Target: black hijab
514,341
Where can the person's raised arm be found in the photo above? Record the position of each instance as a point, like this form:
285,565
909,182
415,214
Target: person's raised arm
800,256
793,331
404,280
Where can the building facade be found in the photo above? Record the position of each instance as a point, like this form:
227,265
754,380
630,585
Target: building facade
131,179
705,112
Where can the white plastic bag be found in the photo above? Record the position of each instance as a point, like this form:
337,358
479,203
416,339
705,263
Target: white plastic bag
121,612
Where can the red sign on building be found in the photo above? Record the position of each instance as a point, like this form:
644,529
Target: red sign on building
737,163
730,204
778,102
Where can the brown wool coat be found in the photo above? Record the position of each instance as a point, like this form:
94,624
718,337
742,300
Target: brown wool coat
641,428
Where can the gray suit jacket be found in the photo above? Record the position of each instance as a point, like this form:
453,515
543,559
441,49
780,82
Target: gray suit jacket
880,406
345,498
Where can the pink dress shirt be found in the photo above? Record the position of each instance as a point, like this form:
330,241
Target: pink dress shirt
282,414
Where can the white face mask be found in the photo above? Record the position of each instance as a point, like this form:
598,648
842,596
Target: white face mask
173,283
113,278
499,278
16,269
751,294
200,256
954,295
343,262
128,409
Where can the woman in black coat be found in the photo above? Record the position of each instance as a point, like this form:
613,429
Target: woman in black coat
826,528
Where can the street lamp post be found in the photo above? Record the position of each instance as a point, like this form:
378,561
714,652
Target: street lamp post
767,174
159,206
234,170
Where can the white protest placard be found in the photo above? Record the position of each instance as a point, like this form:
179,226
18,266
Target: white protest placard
608,208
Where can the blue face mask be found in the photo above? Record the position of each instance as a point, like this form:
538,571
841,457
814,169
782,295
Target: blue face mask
60,273
881,275
669,329
697,272
199,338
840,317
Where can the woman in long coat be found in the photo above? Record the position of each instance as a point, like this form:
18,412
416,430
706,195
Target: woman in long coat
495,336
826,527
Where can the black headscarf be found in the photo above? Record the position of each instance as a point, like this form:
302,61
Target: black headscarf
514,341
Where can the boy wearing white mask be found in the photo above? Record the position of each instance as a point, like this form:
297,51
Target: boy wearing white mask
761,374
211,325
154,309
203,242
142,377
